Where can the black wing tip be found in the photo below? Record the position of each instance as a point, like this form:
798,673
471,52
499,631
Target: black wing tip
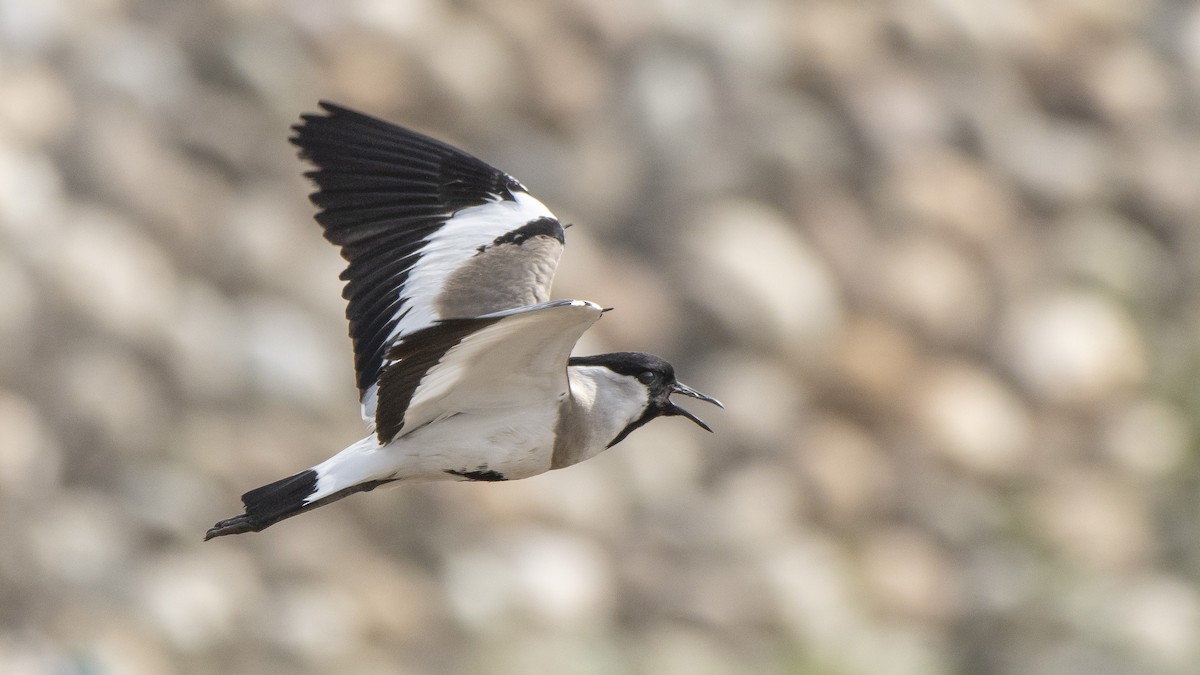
332,111
330,106
463,176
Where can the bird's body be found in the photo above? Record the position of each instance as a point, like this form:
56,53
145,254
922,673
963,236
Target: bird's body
464,366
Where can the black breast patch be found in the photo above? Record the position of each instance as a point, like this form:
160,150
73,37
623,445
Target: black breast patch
483,474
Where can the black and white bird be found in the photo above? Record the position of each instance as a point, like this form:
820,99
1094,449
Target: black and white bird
464,365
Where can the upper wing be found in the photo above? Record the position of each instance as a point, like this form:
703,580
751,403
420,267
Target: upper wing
498,360
429,232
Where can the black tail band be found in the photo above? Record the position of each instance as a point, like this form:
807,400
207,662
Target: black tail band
280,500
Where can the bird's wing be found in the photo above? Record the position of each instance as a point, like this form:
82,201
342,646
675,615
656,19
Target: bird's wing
498,360
429,232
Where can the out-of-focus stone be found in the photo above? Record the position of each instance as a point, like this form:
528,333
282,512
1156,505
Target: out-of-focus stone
748,264
479,588
394,599
937,287
684,651
286,354
876,357
910,575
80,539
376,73
675,101
953,193
202,336
31,197
314,621
563,579
471,64
127,57
759,504
750,36
19,312
264,237
643,314
1098,522
1128,83
1060,160
762,401
811,586
166,496
956,25
617,24
109,271
30,29
1102,246
1158,168
899,110
1000,577
1063,30
116,399
808,579
30,456
197,600
1160,615
412,20
569,83
663,462
602,173
119,644
230,131
818,145
36,108
123,158
972,417
210,443
593,497
533,650
842,233
1073,347
1189,41
272,61
837,38
1148,437
550,577
565,79
851,476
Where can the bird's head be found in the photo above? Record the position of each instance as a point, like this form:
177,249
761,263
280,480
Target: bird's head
650,377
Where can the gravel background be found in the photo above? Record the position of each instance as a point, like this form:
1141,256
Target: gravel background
938,258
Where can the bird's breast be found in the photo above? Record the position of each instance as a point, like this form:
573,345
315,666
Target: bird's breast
504,444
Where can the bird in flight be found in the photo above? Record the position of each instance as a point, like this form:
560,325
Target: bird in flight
464,365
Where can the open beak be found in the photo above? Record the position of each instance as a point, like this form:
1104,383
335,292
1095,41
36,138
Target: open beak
681,388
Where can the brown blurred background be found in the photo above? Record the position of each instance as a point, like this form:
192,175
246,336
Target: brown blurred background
938,258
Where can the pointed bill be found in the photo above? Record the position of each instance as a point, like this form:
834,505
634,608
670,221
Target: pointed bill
681,388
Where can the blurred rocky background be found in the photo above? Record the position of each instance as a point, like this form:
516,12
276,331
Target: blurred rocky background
939,259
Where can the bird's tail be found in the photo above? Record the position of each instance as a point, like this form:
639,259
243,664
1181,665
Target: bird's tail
296,494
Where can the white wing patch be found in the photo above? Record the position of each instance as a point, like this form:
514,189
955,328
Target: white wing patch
448,249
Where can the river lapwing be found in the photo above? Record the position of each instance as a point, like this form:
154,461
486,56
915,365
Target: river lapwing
463,363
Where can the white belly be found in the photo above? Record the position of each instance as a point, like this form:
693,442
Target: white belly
508,444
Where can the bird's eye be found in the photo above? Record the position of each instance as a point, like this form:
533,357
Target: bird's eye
646,376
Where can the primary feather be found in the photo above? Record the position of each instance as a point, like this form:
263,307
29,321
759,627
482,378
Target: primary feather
426,229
